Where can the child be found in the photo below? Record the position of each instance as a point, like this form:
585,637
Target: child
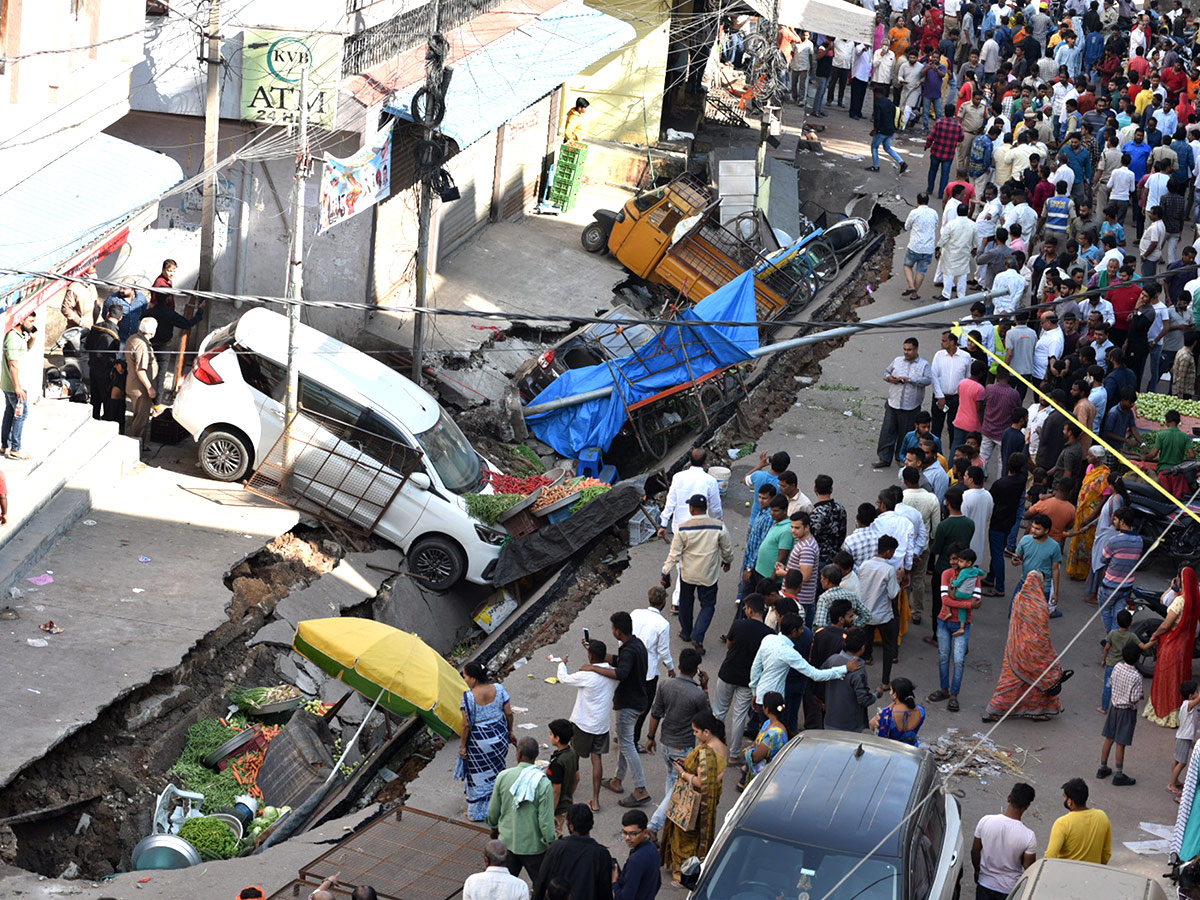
1122,714
1039,488
1185,735
965,585
1114,646
563,771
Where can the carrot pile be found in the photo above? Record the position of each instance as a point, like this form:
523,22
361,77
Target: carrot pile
247,766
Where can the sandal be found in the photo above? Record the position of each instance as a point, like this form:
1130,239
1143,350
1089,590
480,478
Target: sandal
593,806
953,704
938,696
631,802
607,783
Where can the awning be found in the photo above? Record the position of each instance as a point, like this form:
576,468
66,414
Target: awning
835,17
495,83
75,201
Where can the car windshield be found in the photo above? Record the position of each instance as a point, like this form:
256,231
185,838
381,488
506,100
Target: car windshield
755,867
451,454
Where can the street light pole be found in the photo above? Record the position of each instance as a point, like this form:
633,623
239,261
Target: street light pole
212,125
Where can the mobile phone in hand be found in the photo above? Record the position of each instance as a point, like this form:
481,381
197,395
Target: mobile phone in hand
587,637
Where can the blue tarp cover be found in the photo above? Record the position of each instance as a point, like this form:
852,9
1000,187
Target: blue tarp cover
656,366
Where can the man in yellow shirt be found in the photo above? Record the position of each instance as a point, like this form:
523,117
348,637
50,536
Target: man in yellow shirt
573,130
1084,834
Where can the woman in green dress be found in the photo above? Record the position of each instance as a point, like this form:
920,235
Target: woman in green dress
704,770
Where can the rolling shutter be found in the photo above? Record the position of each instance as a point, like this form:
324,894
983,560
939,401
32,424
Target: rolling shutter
473,172
522,158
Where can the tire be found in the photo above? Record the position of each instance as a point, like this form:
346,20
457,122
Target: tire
224,455
823,261
1184,546
437,563
1143,628
593,238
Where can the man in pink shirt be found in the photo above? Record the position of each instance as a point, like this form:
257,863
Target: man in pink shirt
970,401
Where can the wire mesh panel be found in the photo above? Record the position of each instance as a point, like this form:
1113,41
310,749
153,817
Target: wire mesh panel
334,472
406,855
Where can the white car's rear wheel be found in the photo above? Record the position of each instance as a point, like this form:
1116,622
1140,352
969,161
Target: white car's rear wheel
224,455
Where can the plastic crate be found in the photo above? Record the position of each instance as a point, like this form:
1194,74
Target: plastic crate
573,152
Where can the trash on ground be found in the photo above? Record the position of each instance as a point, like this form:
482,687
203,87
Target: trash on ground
89,523
37,642
41,580
51,627
977,756
143,559
528,726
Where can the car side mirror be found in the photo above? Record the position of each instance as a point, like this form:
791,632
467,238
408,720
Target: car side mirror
420,481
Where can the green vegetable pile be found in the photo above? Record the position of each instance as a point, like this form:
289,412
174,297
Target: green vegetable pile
212,838
588,494
487,508
267,816
257,698
535,465
1155,406
220,789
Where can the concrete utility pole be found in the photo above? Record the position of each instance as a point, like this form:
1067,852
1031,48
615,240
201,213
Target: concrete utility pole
212,125
434,72
296,263
767,101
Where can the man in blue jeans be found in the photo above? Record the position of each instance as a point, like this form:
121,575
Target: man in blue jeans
1008,492
883,128
953,636
16,403
942,145
629,670
676,703
700,547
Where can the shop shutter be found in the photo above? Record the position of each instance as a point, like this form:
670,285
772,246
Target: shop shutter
473,171
522,158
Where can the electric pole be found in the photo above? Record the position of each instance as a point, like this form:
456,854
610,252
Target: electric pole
296,263
430,117
212,125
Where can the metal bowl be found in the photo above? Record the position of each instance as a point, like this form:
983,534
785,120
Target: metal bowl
231,746
234,823
164,851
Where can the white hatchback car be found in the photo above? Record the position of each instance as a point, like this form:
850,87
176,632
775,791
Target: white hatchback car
232,403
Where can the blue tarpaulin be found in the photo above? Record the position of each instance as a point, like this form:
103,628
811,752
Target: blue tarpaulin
679,354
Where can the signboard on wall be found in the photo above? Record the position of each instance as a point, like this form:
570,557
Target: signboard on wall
358,182
272,64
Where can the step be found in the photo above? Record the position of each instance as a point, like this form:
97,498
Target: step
50,493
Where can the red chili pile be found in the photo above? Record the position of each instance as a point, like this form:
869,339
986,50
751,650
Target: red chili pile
510,484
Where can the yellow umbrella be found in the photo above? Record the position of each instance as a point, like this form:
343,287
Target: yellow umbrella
372,657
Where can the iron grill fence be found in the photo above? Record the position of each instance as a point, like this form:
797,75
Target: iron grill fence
403,31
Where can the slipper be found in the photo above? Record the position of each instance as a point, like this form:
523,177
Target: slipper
938,696
1174,790
953,704
593,806
632,802
607,783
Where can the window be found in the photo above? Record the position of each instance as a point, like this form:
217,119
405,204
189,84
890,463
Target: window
757,867
319,399
451,454
262,374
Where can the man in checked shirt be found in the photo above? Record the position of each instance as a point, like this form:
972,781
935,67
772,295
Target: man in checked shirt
1122,713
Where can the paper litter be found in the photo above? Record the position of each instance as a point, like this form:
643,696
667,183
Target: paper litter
977,756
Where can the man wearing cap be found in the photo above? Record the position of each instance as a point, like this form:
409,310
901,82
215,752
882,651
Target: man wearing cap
141,370
700,546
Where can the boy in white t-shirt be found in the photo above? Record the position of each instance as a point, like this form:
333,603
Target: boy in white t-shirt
1185,734
1004,847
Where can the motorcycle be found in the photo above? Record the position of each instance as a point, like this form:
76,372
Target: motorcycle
1155,513
1150,601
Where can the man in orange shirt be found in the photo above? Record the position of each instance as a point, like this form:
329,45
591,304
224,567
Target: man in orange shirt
1058,507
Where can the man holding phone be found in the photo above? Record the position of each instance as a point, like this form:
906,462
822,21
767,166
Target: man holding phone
591,713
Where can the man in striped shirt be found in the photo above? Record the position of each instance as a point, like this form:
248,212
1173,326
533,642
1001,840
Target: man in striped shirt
864,540
1120,555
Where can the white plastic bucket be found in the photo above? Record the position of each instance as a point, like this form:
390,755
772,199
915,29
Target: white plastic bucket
722,475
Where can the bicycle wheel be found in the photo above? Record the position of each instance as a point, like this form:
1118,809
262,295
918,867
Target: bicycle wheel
822,261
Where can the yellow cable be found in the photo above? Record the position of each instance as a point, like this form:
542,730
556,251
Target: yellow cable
957,331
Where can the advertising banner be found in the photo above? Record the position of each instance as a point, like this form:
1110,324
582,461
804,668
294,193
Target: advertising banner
272,62
356,183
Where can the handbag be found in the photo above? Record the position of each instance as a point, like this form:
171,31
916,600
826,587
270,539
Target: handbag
684,806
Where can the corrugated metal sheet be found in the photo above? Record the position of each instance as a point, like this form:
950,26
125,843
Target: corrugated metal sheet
522,159
494,84
75,200
473,172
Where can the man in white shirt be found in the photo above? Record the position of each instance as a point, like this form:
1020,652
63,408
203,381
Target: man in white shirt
1158,329
495,882
1004,847
878,588
989,59
922,224
1121,185
898,525
651,627
1022,214
1019,347
883,64
1049,346
1096,303
1013,282
949,367
692,480
592,713
1151,244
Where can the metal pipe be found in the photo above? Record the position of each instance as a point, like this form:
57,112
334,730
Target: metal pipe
904,316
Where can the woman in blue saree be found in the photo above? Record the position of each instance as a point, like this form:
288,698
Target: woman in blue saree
486,734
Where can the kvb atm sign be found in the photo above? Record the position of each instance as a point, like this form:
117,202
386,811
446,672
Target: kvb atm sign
272,64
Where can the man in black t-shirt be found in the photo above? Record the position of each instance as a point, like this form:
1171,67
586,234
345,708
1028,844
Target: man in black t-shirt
1007,493
733,694
629,667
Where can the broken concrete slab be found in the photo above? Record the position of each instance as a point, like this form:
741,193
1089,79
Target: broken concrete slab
280,632
155,707
440,619
349,584
154,532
